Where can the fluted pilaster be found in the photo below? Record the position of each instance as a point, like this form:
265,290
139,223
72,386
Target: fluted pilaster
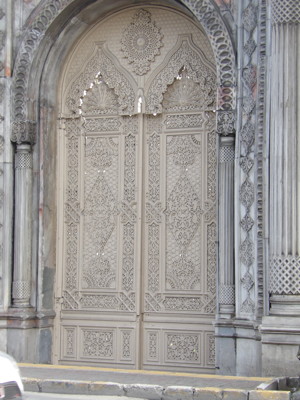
284,271
22,234
226,227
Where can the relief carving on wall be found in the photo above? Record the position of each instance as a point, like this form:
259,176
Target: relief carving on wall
196,72
101,60
247,134
141,42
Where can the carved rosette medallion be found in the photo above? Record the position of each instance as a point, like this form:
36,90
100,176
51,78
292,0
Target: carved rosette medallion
141,42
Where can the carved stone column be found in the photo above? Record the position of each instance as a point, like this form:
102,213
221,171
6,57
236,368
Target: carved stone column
226,228
21,290
284,260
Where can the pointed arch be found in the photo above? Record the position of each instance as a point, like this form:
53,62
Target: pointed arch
53,16
185,55
105,63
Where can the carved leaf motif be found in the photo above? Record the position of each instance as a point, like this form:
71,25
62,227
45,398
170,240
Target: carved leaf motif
247,193
225,122
185,58
247,252
246,164
100,99
247,223
101,64
141,42
186,95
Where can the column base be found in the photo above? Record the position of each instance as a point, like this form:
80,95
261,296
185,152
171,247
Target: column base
284,304
280,342
28,334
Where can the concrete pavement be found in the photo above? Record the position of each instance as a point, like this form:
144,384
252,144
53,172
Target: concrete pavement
152,385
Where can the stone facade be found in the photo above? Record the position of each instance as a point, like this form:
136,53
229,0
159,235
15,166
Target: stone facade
254,65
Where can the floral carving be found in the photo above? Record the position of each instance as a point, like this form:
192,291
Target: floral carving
99,99
187,63
247,252
98,274
141,42
101,60
186,95
183,274
183,212
184,121
183,347
226,122
98,343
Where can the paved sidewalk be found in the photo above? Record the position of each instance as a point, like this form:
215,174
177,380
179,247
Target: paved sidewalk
154,385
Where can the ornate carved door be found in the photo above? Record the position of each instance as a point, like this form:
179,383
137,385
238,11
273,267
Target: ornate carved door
137,204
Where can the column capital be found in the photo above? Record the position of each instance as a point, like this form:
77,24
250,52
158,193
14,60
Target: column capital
226,121
285,11
227,150
23,131
23,157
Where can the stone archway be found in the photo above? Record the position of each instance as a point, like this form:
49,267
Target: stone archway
26,113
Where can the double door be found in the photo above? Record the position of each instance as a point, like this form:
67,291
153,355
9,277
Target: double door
137,242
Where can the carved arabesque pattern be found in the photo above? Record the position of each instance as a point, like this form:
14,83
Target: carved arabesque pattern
247,134
129,173
99,99
199,71
124,209
183,347
128,257
181,121
183,211
141,42
101,66
153,258
100,211
186,95
211,257
126,345
72,129
98,343
104,302
102,124
220,41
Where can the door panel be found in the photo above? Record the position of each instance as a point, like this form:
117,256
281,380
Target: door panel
99,309
137,220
